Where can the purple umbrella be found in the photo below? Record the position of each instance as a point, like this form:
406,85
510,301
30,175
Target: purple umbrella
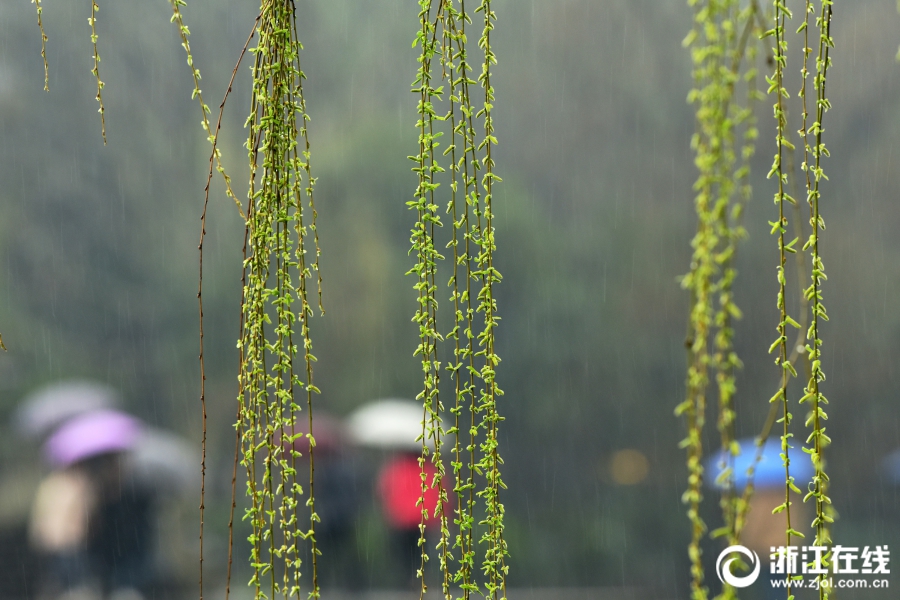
92,434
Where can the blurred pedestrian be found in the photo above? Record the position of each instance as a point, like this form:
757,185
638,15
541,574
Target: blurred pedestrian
762,530
91,520
58,530
399,489
397,425
337,497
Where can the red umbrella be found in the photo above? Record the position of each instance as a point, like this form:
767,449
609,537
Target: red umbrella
400,488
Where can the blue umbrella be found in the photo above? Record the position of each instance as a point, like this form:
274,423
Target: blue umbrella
769,473
890,466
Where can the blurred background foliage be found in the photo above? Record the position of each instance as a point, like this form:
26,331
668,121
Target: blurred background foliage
98,247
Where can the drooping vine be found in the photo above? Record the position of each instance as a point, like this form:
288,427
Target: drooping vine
422,239
40,17
723,53
95,71
273,375
277,359
214,162
779,228
475,457
812,393
494,565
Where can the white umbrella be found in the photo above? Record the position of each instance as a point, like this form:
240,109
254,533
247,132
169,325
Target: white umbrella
165,461
389,423
44,410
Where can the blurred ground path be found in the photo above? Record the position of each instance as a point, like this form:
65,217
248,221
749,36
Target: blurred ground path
604,593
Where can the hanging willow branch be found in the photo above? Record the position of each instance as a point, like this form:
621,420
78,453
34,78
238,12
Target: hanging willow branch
422,240
96,70
729,231
734,506
40,13
273,374
812,393
276,243
797,346
723,50
277,358
711,271
214,161
475,457
698,281
812,295
463,207
779,228
494,565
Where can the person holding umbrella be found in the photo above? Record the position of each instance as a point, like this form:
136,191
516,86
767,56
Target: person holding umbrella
762,529
399,489
337,495
89,520
394,425
93,515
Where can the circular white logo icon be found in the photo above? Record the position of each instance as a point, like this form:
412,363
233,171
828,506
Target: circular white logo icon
724,570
